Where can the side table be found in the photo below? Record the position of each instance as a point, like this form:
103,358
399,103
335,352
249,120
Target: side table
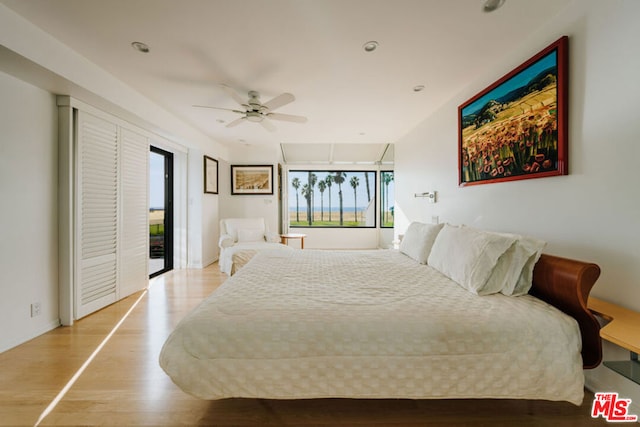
284,238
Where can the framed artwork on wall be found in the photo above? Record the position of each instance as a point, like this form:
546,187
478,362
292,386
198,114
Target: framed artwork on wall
517,127
210,175
251,179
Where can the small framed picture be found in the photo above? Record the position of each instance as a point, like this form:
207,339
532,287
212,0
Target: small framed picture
251,179
210,175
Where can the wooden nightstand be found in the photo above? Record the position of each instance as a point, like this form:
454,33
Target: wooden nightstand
622,330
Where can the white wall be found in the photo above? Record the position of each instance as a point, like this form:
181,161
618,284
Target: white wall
203,212
592,214
28,215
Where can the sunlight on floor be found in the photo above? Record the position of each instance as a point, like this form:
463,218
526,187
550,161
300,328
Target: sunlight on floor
84,366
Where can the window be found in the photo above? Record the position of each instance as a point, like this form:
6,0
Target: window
332,198
387,197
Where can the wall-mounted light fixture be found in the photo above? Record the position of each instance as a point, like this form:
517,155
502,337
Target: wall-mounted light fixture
430,195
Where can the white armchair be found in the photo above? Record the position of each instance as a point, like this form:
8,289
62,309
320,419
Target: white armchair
244,236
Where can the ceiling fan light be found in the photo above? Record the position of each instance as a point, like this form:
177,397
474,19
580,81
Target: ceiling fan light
255,117
370,46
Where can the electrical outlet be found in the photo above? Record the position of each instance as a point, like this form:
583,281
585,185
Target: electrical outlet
35,309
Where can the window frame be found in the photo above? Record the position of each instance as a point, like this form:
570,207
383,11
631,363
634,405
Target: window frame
374,192
380,210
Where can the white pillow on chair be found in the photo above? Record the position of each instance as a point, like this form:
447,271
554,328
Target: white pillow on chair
232,225
250,235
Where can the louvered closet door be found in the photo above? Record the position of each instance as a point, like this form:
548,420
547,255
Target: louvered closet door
97,214
134,258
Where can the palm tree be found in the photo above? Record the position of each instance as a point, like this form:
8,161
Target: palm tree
339,178
313,178
295,183
388,177
366,180
329,181
321,187
306,192
354,183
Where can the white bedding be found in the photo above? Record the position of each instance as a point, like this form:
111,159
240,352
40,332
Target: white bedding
369,324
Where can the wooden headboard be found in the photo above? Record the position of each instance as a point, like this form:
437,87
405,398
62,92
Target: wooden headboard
565,284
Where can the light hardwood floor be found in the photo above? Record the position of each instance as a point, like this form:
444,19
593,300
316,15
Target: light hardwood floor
124,384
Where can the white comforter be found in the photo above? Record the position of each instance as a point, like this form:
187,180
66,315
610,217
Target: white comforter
369,324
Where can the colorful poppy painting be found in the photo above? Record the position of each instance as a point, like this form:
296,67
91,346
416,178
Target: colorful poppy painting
517,127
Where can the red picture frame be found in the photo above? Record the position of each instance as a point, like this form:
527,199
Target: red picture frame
517,127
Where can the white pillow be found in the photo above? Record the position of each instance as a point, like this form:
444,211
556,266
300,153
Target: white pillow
250,235
232,225
418,240
468,256
506,272
529,249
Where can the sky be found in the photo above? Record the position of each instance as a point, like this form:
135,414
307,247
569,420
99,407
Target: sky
156,181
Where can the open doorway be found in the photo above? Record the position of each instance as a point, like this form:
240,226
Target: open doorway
160,211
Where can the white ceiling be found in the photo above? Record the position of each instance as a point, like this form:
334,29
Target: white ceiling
310,48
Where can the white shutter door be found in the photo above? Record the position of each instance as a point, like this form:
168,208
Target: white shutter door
97,214
134,249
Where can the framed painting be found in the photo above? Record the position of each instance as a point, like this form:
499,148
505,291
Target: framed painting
251,179
517,127
210,175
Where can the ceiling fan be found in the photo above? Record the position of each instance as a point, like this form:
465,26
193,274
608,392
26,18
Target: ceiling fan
257,112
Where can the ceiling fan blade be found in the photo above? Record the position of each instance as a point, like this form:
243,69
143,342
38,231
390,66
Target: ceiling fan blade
236,122
279,101
266,123
287,117
218,108
233,94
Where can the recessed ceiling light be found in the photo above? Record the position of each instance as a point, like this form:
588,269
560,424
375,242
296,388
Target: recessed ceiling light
140,47
491,5
370,46
418,88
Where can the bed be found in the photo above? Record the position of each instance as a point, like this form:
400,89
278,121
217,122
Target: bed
389,324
